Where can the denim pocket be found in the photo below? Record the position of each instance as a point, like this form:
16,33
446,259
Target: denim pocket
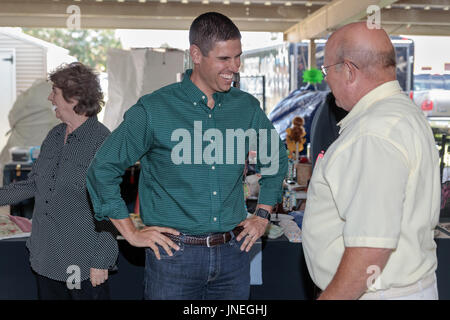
235,244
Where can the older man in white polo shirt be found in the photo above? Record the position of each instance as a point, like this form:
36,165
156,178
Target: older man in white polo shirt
373,199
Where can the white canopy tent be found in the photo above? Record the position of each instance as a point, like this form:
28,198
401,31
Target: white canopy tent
134,73
30,119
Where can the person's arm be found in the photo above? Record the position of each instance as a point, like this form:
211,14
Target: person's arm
272,163
127,144
369,199
352,276
18,191
124,146
148,237
105,253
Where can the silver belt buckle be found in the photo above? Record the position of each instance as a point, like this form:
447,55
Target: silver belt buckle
207,242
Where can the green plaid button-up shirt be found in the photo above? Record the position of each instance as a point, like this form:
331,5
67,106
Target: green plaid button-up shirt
191,170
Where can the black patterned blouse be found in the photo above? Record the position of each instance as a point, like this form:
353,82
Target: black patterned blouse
65,234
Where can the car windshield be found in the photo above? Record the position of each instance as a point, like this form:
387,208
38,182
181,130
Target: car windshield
447,81
431,81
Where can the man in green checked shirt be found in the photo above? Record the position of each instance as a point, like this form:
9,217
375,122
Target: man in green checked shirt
191,139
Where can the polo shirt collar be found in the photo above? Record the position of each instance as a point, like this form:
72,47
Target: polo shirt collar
194,93
384,90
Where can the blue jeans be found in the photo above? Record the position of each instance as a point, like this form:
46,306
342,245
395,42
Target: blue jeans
198,273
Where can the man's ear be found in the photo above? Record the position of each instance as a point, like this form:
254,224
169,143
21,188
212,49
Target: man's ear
350,72
196,54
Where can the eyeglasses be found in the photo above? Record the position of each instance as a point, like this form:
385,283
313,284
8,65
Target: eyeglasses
324,68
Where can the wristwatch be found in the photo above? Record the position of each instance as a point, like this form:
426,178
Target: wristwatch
263,213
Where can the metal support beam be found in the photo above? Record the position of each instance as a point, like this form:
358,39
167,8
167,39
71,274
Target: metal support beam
330,17
312,54
416,17
171,15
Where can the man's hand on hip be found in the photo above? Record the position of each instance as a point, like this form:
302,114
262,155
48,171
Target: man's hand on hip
152,237
146,237
254,228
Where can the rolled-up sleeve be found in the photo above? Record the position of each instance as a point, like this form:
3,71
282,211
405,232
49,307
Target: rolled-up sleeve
126,145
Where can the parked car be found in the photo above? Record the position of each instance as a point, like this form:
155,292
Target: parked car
432,94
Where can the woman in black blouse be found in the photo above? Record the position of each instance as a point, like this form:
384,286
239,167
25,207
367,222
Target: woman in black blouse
70,251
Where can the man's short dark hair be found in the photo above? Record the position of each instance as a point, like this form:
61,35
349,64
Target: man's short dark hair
209,28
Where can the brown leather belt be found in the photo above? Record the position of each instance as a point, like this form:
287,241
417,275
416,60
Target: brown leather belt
209,241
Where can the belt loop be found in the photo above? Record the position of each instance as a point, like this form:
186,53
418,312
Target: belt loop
182,237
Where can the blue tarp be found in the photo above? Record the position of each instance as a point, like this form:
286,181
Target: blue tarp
301,102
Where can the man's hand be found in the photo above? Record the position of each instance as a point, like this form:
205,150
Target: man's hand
98,276
152,236
254,228
146,237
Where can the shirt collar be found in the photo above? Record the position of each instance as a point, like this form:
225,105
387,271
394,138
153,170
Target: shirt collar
194,93
384,90
86,129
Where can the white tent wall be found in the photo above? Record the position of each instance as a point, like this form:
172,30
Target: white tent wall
161,69
34,59
56,57
134,73
125,70
30,118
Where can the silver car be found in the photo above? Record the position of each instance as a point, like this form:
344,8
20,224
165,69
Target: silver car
432,94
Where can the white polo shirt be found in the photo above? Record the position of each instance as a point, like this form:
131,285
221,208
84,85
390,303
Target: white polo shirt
376,186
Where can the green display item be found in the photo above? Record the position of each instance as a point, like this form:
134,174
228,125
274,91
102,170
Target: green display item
312,76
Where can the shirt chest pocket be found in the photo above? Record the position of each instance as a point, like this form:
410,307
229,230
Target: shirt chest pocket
75,172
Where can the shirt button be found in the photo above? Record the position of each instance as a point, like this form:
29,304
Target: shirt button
210,116
195,103
220,104
215,219
203,97
46,201
213,167
214,193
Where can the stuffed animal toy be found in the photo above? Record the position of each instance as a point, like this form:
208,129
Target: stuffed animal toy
295,137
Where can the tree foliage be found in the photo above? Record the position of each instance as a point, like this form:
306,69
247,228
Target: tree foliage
89,46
